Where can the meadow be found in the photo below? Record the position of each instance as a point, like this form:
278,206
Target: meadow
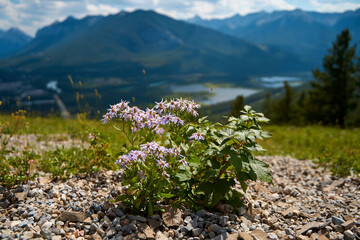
331,147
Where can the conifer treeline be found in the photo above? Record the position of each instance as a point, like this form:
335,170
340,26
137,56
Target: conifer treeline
334,95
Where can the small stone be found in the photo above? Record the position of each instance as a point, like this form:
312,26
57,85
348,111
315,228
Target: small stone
212,235
273,236
196,232
245,236
88,221
309,226
172,216
216,228
153,223
56,238
259,234
348,224
46,233
224,208
111,232
20,196
337,221
349,235
288,231
139,218
73,216
23,224
160,236
322,237
223,220
26,235
96,236
222,236
46,225
201,213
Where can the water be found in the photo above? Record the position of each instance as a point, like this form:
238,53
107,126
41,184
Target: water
278,81
220,94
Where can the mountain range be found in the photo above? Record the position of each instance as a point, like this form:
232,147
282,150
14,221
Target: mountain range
109,53
12,41
306,34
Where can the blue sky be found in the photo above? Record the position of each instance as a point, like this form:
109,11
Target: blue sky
30,15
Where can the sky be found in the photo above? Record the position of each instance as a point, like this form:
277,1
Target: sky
30,15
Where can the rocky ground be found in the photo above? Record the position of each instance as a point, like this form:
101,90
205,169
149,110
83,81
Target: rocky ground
303,203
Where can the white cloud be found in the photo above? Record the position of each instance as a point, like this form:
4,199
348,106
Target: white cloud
30,15
333,6
101,9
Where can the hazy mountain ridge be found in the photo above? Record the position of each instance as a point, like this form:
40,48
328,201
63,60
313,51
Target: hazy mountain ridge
12,40
307,34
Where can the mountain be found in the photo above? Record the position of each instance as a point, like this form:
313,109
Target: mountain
109,53
145,39
11,41
59,32
307,34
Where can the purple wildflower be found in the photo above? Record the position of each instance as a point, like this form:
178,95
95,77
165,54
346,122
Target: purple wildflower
197,136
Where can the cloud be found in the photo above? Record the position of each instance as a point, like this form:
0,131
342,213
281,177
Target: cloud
30,15
333,6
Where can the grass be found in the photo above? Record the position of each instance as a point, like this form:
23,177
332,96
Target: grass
335,148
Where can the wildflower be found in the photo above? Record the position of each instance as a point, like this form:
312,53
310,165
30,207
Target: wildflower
160,106
183,162
159,131
91,136
123,161
197,136
105,119
162,164
164,173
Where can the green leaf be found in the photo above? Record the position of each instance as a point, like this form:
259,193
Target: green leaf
259,170
167,195
205,187
236,162
247,108
183,177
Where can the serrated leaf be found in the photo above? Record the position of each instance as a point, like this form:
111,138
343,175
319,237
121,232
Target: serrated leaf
236,162
259,170
247,108
206,187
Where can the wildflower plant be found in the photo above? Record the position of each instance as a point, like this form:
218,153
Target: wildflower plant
171,159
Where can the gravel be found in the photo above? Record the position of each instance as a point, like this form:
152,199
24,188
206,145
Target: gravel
303,202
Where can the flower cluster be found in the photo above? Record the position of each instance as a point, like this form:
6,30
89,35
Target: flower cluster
151,118
177,105
154,151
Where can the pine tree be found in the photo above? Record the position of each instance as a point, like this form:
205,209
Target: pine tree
266,108
332,93
237,105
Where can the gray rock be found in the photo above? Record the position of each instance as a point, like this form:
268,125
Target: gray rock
337,221
46,233
223,220
201,213
216,228
349,235
73,216
273,236
23,224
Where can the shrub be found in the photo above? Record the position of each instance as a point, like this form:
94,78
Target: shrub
172,160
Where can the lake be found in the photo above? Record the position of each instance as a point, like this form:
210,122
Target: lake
220,94
278,81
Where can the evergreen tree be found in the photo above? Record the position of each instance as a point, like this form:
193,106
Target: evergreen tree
266,108
284,109
237,105
332,93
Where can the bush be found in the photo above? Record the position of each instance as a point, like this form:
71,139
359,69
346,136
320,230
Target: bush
172,160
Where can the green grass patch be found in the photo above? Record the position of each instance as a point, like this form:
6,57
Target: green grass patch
335,148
